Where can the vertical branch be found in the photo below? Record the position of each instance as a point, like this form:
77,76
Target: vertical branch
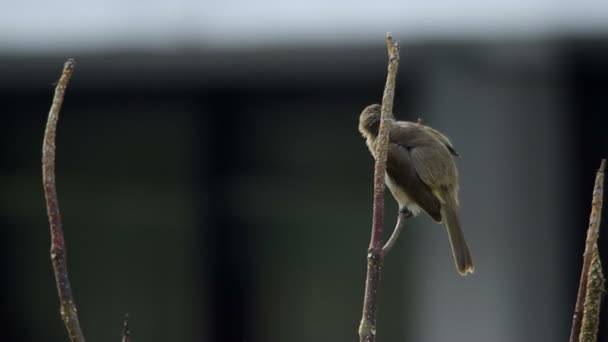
367,328
593,299
593,233
126,332
68,309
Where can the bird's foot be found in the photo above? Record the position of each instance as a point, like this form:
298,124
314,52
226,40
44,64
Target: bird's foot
405,212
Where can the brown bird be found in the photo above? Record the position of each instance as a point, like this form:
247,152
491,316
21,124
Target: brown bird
421,175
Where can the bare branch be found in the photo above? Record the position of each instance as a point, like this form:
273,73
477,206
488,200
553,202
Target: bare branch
593,233
593,299
69,313
126,333
401,219
367,328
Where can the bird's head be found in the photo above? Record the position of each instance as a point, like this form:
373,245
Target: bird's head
369,120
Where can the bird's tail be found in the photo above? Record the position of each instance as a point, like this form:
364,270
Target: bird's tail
460,249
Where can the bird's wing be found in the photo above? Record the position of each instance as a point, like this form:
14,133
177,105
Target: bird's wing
411,126
430,156
434,165
444,140
400,167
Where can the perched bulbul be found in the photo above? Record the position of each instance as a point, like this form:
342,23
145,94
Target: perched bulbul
421,175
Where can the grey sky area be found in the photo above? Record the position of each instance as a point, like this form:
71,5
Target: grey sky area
47,26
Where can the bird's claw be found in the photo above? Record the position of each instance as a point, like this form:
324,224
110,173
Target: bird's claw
405,212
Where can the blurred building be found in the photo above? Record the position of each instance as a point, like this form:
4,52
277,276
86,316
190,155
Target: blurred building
214,185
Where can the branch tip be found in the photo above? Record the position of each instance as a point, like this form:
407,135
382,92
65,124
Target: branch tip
126,332
584,317
69,64
67,306
367,327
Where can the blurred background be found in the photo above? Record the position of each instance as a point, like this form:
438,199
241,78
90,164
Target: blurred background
213,183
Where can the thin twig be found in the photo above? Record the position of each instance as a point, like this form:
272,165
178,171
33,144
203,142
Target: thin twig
401,219
367,328
593,233
69,313
126,332
593,299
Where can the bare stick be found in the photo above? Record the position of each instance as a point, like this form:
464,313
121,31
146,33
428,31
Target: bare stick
68,310
593,233
398,228
126,333
593,299
367,328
